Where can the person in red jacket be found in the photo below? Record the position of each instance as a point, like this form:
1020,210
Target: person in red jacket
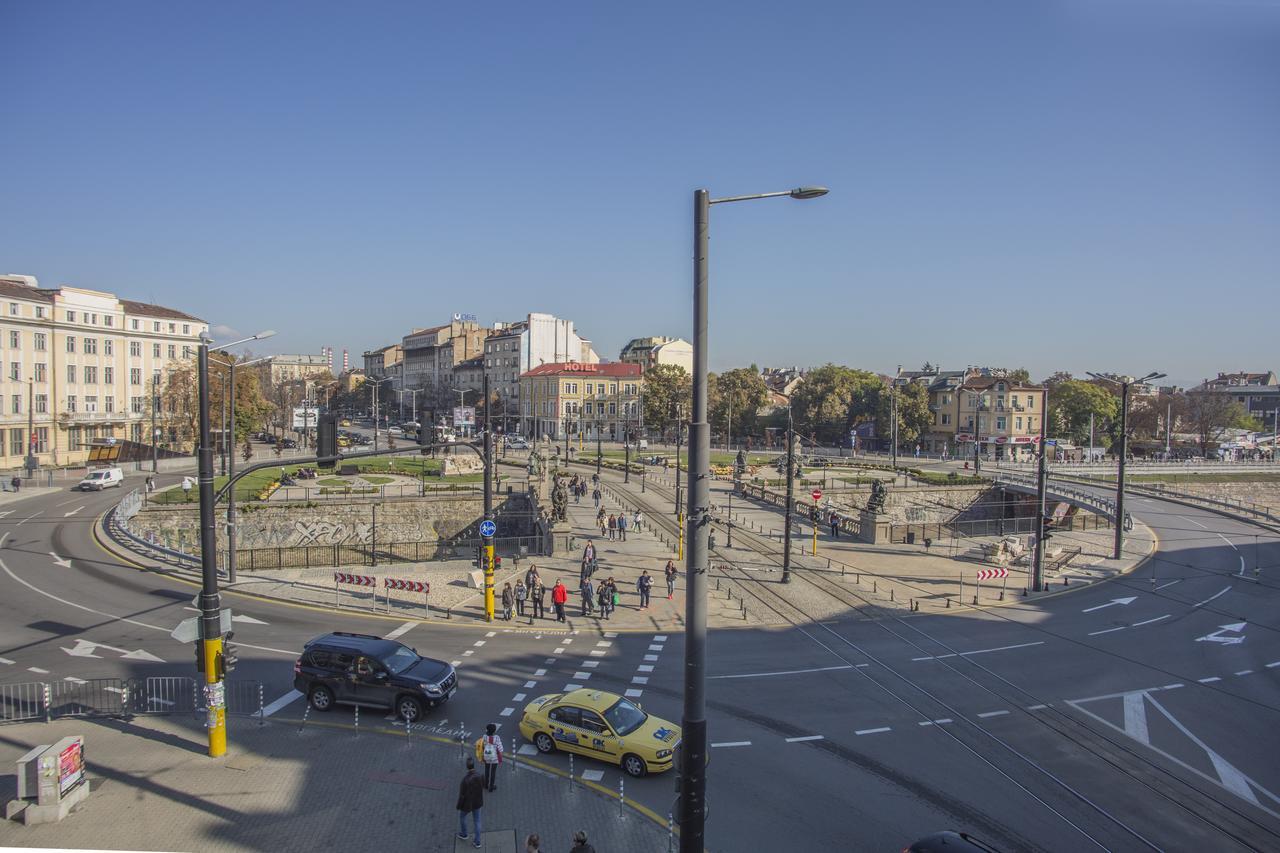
559,595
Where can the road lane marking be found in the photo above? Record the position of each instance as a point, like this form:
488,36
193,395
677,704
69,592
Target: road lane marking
569,688
803,739
37,670
539,672
455,663
1229,542
657,638
935,722
593,652
1273,664
1245,672
527,749
589,664
582,676
529,684
1036,707
401,631
591,775
609,635
645,667
639,679
1135,718
75,680
1149,621
73,512
992,714
1241,567
1209,680
1193,521
6,661
1212,597
559,650
982,651
1169,583
291,696
646,657
656,647
506,712
633,693
726,743
479,643
468,653
519,697
491,633
784,672
873,731
1107,631
603,644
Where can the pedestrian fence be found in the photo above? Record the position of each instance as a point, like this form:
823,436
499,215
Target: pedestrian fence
122,697
322,556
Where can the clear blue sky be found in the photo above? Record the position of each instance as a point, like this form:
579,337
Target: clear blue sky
1058,185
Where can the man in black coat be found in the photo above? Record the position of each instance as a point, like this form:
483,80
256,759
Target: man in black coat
470,799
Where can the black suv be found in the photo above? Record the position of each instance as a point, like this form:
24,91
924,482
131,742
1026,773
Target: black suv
361,669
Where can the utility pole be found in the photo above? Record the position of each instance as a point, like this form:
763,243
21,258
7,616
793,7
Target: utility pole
210,621
32,462
599,450
1091,453
231,494
893,400
155,430
1042,481
488,509
786,518
626,443
679,429
1124,451
222,439
1168,429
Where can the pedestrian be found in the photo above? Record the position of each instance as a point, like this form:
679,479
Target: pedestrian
522,592
622,526
587,594
595,495
559,595
603,597
589,553
577,493
670,573
533,844
835,526
539,594
531,577
470,801
595,479
638,521
508,601
614,596
489,751
580,844
151,484
186,487
613,526
644,585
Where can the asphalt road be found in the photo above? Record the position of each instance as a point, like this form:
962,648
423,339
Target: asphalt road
1122,716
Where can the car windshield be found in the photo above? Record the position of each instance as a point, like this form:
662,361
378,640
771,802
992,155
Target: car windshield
401,659
96,476
624,718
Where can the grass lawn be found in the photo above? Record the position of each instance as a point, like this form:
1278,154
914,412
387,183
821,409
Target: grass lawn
333,482
376,479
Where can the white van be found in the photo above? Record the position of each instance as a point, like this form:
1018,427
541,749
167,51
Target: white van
103,478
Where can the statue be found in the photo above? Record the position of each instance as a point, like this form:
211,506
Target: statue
535,466
559,501
875,504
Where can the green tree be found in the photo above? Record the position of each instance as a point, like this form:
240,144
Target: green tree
735,398
665,387
831,400
914,416
1018,376
1070,406
1210,414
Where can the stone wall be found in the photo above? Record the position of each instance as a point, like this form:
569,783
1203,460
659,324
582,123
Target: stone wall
348,522
1261,494
927,504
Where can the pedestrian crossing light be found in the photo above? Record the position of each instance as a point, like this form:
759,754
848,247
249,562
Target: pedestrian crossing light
228,657
1046,529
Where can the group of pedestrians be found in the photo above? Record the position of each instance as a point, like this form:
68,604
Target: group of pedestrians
490,755
578,488
605,597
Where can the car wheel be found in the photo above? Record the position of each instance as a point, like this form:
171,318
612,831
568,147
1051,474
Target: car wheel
634,765
321,698
408,708
544,742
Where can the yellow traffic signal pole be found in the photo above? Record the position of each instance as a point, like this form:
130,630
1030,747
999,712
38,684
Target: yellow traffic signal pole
487,526
815,537
210,616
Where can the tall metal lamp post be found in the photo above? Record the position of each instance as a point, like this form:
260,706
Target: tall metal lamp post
693,755
1124,383
210,618
231,457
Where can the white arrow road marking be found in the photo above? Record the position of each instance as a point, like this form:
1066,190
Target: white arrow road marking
6,512
73,512
65,562
1130,600
1237,628
86,648
139,654
248,620
83,649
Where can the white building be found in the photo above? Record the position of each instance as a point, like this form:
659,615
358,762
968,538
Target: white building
516,348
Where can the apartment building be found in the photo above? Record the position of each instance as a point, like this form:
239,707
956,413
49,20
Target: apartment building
651,351
429,355
382,362
581,399
80,365
1003,417
279,369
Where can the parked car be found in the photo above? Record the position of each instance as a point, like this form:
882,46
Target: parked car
342,668
288,443
103,478
515,442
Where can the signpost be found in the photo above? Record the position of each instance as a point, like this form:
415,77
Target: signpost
817,495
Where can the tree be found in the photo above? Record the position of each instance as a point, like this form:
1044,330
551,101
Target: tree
914,416
1018,376
831,400
735,398
1210,414
1055,380
665,386
1071,404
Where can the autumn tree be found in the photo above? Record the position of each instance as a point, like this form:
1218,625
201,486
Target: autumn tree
914,417
665,387
832,400
1071,404
1209,415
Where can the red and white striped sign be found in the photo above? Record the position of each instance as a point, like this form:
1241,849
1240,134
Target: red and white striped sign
985,574
409,586
355,580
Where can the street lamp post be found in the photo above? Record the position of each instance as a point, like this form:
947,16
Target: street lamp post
693,787
893,434
679,433
155,430
791,501
1125,382
32,462
231,470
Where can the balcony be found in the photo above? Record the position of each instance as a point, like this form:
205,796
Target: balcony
91,417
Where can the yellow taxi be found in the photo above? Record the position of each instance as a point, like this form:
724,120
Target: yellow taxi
344,422
601,725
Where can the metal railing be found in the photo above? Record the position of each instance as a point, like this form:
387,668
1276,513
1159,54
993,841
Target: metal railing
324,556
121,697
25,701
1241,507
1060,490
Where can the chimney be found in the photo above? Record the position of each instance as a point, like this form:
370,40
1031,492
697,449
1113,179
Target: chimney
346,362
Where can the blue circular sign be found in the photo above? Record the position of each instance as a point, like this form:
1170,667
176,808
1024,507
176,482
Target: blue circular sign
488,528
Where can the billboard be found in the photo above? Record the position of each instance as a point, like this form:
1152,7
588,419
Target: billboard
464,416
304,418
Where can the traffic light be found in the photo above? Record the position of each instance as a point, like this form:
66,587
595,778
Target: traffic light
1046,528
229,656
199,656
327,440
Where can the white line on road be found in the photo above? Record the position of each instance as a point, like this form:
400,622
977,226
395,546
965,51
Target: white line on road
783,672
539,672
569,688
935,722
645,667
992,714
1193,521
468,653
1273,664
1107,631
75,680
1169,583
582,675
639,679
291,696
1209,680
873,731
592,775
491,633
37,670
1245,672
646,657
1241,566
479,643
731,743
455,663
506,712
633,693
803,739
401,631
1229,542
73,512
559,650
1212,597
519,697
657,638
1036,707
1149,621
529,684
1135,717
656,647
983,651
593,652
589,664
603,644
6,661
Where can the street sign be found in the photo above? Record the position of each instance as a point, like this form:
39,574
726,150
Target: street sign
817,494
488,528
188,630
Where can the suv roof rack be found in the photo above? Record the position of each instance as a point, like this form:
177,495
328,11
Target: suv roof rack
353,634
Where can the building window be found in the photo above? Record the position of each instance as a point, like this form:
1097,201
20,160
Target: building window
134,324
1000,424
40,341
173,328
135,432
90,346
15,340
13,309
1031,424
71,316
108,403
15,371
186,328
91,403
1031,401
135,349
155,350
17,440
1017,423
186,352
42,439
173,350
588,408
42,404
71,402
90,375
135,405
71,343
108,320
108,376
41,372
613,408
39,312
108,347
135,376
155,325
946,419
71,373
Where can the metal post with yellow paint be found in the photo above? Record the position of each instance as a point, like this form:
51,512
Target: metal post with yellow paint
215,696
680,536
210,616
815,537
488,527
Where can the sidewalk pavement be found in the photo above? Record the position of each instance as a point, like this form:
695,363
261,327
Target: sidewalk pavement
27,492
321,787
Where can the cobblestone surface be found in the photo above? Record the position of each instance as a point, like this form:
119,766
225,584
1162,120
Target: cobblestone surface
154,788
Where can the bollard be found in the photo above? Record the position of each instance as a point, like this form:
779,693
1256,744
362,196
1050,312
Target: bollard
407,726
357,707
670,833
975,598
875,585
48,712
262,711
571,771
948,602
622,798
891,598
515,752
1065,581
305,713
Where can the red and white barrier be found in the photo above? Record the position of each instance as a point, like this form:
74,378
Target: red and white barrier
354,580
985,574
423,587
